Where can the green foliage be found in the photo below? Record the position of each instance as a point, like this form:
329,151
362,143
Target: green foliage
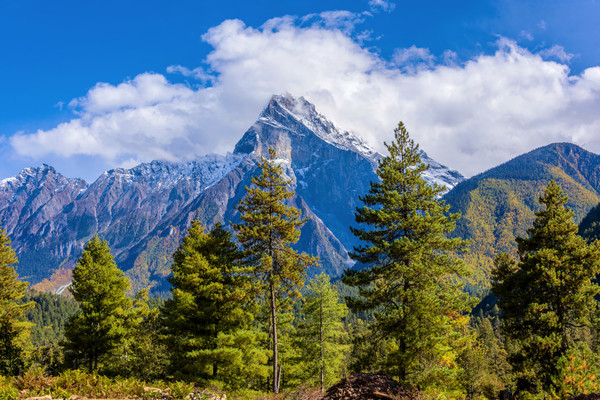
321,334
208,321
14,330
548,296
484,364
410,270
577,373
7,390
49,315
269,228
105,311
180,390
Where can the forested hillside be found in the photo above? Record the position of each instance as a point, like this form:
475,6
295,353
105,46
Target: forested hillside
499,205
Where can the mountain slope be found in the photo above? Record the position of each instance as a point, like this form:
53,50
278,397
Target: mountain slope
144,211
499,204
589,228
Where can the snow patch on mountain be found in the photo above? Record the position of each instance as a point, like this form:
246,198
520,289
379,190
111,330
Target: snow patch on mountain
204,172
440,174
38,177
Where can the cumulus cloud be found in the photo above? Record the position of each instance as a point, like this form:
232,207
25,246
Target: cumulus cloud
469,116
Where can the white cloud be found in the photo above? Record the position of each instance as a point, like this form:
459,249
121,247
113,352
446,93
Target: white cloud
526,35
196,73
449,57
342,20
542,25
381,5
469,116
414,59
557,52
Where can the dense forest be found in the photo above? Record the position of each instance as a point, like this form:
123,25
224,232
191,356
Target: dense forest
242,319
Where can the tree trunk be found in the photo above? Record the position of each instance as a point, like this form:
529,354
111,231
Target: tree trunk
402,367
275,354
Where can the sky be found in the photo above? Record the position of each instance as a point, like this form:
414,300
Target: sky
89,86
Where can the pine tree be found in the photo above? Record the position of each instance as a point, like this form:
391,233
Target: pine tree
548,296
100,289
322,335
210,310
268,230
409,264
13,329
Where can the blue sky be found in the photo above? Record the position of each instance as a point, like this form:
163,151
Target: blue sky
476,82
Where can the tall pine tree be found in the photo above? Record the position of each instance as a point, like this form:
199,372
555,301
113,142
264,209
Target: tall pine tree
321,333
100,288
210,310
548,296
268,230
13,329
409,267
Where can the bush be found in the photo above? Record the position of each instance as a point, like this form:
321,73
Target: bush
180,390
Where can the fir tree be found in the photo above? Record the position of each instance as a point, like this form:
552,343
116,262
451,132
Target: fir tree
268,230
13,329
210,310
322,335
548,296
409,264
100,289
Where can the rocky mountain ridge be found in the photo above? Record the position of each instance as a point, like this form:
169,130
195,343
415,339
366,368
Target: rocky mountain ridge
144,211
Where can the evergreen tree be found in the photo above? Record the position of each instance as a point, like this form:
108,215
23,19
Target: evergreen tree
322,335
409,264
100,289
548,296
210,312
13,329
268,230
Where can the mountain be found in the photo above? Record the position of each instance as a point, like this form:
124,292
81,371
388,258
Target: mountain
589,228
499,204
144,211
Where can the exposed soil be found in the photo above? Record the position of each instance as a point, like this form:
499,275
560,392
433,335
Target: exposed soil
370,387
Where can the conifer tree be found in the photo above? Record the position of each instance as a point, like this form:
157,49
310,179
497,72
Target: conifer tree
548,295
210,312
100,289
409,267
13,329
269,228
321,333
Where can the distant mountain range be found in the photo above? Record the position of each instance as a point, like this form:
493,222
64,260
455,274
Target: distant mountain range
143,212
500,204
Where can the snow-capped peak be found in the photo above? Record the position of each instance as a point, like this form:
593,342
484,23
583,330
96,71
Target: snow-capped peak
306,113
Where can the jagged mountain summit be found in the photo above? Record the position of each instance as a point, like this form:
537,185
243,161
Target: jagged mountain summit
144,211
